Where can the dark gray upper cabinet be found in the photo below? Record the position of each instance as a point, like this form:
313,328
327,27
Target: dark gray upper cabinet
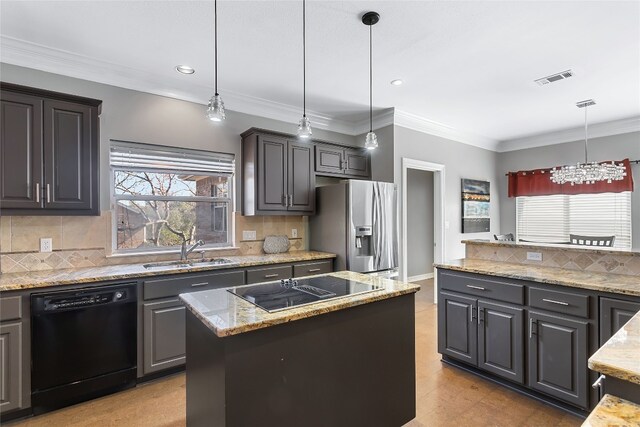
50,153
277,174
614,313
334,160
558,352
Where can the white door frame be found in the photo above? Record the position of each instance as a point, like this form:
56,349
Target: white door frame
438,211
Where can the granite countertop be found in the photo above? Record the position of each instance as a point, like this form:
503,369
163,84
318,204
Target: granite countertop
226,314
613,411
531,245
603,282
620,356
73,276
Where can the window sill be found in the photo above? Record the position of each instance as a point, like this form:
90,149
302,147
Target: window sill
168,251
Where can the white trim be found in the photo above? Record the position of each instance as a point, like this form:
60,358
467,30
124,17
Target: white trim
420,277
438,217
596,130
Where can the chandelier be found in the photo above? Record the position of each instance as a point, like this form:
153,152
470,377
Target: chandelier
588,172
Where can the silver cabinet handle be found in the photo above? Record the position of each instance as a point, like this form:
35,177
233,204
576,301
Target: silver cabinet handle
530,327
285,199
199,284
480,288
290,200
470,314
552,301
598,382
48,193
37,192
266,276
313,270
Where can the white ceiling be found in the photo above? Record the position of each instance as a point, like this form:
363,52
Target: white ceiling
468,67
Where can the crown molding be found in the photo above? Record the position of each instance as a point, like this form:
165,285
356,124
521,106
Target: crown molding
421,124
380,120
596,130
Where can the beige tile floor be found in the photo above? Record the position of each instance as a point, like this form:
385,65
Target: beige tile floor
445,396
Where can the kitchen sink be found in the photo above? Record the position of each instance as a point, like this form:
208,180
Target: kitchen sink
171,265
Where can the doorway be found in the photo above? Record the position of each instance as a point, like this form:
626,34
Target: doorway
420,225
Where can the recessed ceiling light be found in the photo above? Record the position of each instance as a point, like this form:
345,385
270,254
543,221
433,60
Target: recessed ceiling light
396,82
185,69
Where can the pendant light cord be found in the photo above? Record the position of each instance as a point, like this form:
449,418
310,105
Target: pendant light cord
304,58
215,49
586,137
370,79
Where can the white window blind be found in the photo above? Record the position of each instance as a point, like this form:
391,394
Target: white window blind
551,219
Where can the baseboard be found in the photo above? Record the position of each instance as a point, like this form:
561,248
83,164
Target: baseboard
420,277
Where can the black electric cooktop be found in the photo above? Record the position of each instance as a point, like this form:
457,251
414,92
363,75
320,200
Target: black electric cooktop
284,294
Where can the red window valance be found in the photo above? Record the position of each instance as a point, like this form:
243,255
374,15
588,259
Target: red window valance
538,183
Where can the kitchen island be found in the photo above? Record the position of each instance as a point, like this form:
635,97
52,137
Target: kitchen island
347,361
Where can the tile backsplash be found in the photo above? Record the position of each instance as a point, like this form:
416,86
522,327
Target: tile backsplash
83,241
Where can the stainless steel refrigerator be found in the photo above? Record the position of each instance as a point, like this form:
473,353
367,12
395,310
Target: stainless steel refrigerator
357,221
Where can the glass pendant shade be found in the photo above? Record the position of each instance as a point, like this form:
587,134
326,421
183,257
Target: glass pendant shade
304,127
215,109
371,143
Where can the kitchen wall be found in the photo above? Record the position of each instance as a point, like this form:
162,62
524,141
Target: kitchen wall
382,157
140,117
461,161
419,222
616,147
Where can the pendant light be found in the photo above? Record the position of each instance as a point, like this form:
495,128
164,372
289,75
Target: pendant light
370,19
215,109
588,172
304,126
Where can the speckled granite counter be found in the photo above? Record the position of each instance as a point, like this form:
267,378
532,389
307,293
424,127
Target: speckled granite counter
73,276
603,282
226,314
620,356
613,411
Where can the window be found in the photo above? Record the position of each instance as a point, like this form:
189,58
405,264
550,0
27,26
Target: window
551,219
164,196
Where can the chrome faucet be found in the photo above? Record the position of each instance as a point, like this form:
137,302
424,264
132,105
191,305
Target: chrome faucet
184,252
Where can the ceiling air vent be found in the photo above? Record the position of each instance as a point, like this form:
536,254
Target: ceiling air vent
554,77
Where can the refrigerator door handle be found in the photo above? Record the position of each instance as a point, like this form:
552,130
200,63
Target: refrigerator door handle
377,227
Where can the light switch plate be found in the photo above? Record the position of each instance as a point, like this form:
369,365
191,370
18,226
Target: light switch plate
248,235
46,244
294,233
534,256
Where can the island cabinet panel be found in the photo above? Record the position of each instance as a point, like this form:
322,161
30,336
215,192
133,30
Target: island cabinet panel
164,335
558,352
11,385
457,335
501,340
614,313
309,372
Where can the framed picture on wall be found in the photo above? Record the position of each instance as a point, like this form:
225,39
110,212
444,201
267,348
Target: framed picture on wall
475,206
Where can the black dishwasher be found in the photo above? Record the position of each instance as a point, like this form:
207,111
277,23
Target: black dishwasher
83,344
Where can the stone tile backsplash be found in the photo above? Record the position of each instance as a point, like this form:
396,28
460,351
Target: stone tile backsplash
86,241
626,263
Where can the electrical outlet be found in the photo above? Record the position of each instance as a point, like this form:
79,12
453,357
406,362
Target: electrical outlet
248,235
534,256
294,233
46,244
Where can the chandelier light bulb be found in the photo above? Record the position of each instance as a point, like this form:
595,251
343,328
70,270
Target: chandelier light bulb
215,109
304,128
371,143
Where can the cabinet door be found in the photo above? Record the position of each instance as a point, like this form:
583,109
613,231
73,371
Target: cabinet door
20,151
501,340
614,313
10,366
329,159
164,335
356,162
272,173
558,357
301,178
457,327
70,155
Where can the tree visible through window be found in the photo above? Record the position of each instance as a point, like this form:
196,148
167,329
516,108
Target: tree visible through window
158,205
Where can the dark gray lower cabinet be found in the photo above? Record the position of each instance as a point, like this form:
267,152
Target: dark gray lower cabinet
558,352
10,366
164,336
614,313
457,331
501,340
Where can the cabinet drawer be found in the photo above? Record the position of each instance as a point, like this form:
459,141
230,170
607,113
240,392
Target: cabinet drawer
473,285
268,274
559,301
177,284
10,308
310,268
